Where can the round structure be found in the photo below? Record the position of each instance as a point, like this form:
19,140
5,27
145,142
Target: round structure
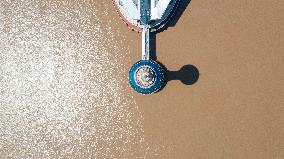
147,76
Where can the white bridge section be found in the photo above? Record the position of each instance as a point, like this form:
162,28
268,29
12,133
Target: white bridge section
158,10
146,43
130,8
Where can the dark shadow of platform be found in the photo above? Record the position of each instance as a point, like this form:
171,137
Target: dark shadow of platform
188,75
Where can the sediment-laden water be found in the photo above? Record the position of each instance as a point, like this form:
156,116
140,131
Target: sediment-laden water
62,86
64,89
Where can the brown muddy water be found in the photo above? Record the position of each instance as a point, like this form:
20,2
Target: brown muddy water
64,91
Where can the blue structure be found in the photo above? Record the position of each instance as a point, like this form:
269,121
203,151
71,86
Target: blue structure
145,11
147,76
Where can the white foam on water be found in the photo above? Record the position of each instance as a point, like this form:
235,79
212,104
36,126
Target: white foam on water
61,85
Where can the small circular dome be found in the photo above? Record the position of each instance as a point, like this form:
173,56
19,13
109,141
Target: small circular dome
146,76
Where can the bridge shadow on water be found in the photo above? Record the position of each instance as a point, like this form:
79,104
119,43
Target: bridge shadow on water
188,74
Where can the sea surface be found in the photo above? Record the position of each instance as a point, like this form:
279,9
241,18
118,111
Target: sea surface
63,82
64,89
